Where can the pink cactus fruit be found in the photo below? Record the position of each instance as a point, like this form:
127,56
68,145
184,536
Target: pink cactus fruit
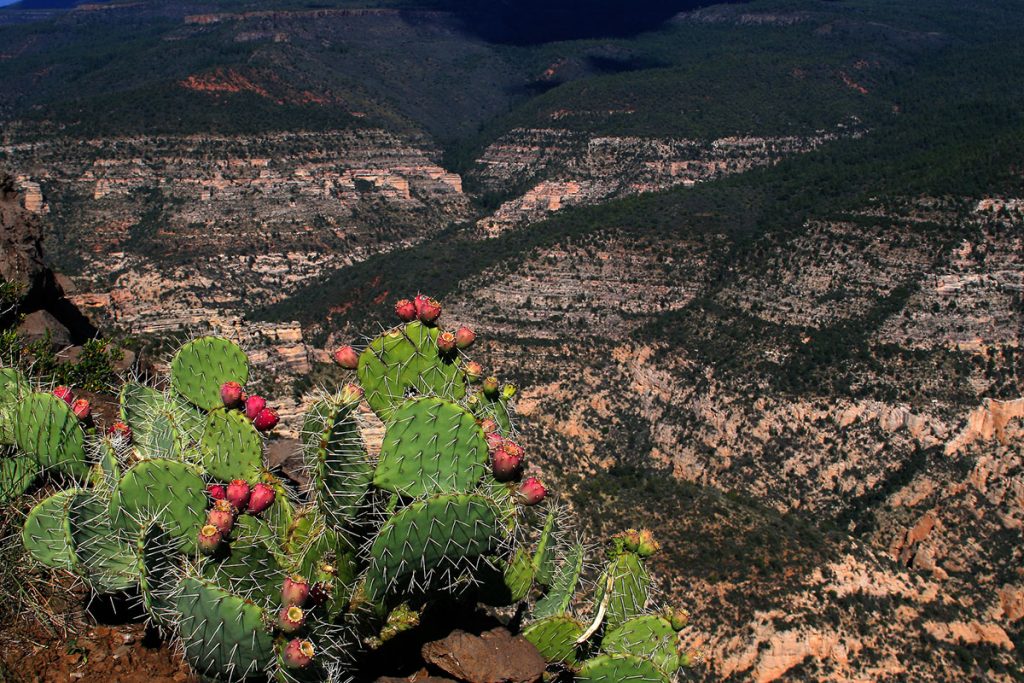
298,654
473,371
217,491
266,420
82,409
294,590
222,516
231,394
347,357
210,539
531,491
238,494
428,310
464,337
253,405
405,310
260,498
65,394
506,463
290,619
445,342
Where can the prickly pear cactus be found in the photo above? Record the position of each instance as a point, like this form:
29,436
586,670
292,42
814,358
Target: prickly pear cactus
257,579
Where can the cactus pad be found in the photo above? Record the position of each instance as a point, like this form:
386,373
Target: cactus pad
16,474
563,584
648,636
162,426
555,637
223,635
231,446
431,446
619,668
105,561
201,366
438,538
47,531
253,568
630,587
406,358
13,387
46,428
163,491
336,459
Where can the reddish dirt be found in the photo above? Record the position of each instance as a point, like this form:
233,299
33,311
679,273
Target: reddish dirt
96,654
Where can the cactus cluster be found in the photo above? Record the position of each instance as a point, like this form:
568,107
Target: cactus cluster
174,505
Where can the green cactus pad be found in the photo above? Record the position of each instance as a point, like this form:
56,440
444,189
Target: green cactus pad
620,668
13,387
406,358
432,541
544,560
563,584
200,367
555,638
431,446
17,472
495,408
169,493
630,588
231,447
336,459
223,636
647,636
46,428
105,561
519,575
158,575
162,426
47,531
107,471
253,567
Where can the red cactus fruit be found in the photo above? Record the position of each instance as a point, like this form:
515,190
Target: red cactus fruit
261,497
428,310
347,357
406,310
494,440
505,464
266,420
488,425
351,393
290,619
490,387
120,433
320,592
446,342
222,517
238,494
210,538
298,654
217,491
464,337
473,371
512,448
65,394
81,409
231,394
531,491
294,590
253,405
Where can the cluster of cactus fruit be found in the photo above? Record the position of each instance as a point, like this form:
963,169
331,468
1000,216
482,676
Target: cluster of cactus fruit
174,506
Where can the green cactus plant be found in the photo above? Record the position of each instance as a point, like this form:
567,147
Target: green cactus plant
273,582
